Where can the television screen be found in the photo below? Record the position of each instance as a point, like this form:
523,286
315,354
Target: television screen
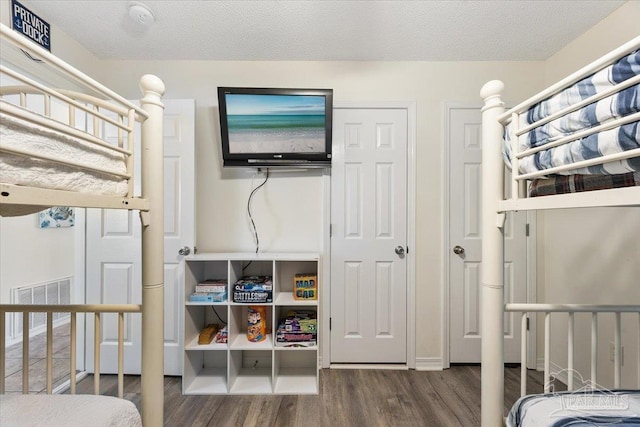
275,127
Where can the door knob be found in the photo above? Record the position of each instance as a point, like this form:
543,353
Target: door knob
185,251
458,250
400,250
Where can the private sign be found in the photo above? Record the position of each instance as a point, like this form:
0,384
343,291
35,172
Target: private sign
31,25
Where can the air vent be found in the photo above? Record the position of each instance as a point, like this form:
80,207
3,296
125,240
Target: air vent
56,292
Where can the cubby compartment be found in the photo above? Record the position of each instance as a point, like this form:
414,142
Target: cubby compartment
238,339
295,371
281,312
241,268
285,272
198,272
197,317
250,371
205,372
242,366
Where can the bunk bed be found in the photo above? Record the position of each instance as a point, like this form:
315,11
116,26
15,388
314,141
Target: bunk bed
83,159
582,135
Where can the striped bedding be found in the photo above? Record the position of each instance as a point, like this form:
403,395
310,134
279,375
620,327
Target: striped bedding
590,408
618,139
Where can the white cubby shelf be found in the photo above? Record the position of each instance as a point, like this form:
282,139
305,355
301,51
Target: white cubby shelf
241,366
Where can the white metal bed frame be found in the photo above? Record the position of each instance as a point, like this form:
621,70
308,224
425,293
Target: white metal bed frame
495,205
150,205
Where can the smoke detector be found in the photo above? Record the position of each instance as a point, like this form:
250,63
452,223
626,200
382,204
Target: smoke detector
141,14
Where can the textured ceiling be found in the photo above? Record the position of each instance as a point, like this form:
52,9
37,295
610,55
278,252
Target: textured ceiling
327,30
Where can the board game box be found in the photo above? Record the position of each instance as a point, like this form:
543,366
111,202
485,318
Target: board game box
253,289
305,286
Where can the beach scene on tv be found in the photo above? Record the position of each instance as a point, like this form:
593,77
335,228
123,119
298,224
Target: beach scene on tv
275,123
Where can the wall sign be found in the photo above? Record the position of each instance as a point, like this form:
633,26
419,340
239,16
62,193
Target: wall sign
31,25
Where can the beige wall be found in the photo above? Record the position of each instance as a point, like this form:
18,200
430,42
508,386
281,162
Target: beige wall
221,195
30,255
591,255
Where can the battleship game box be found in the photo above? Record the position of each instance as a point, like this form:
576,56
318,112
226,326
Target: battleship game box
253,290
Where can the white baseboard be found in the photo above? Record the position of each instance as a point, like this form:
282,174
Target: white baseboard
379,366
429,364
422,364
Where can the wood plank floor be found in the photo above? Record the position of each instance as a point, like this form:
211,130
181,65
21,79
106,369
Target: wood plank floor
347,398
38,362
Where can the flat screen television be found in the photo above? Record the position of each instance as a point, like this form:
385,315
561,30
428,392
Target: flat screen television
275,127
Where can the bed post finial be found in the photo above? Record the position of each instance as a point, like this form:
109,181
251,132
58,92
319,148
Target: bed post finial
491,92
152,88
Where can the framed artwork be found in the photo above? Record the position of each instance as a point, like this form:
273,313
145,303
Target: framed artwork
56,217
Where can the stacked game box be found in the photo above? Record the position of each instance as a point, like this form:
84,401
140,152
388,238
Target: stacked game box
212,290
298,329
253,289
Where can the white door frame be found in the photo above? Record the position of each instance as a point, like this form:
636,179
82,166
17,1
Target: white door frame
531,248
325,293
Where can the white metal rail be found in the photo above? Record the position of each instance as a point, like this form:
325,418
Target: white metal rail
73,309
570,310
593,67
69,71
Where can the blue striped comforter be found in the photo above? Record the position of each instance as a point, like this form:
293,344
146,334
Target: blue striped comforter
618,139
576,409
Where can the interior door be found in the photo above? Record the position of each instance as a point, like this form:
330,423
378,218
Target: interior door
369,236
465,256
113,262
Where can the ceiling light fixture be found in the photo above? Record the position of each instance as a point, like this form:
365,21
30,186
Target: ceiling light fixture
141,13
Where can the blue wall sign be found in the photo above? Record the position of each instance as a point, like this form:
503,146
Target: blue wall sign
31,25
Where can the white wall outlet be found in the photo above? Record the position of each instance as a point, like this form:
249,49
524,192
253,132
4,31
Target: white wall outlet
612,353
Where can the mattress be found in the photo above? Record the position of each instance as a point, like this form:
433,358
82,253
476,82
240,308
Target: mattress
27,171
562,184
618,139
61,410
591,408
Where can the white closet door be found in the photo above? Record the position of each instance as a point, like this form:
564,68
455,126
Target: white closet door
369,223
465,258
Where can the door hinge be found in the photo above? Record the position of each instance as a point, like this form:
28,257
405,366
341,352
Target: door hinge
329,323
527,323
407,249
330,230
526,230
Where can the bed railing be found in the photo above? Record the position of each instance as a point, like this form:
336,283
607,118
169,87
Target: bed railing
570,310
91,106
97,310
69,72
518,200
105,112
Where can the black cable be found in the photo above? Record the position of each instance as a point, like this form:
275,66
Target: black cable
255,231
245,267
218,316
